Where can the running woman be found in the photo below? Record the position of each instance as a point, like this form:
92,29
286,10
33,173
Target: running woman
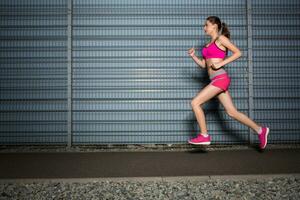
214,61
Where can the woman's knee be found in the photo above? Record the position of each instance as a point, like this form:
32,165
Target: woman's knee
195,103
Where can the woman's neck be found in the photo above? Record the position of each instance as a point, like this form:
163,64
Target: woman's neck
214,37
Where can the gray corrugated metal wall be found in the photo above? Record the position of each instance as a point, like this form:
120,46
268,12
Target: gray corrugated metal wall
276,51
132,78
33,72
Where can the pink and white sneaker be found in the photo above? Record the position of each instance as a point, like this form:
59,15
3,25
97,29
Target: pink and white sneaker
200,139
263,137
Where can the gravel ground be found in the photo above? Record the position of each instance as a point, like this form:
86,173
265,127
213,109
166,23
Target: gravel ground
211,188
260,187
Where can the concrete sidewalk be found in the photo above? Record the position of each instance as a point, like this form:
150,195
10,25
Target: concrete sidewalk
148,164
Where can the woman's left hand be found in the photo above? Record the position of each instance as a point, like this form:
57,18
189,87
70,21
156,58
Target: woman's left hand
216,66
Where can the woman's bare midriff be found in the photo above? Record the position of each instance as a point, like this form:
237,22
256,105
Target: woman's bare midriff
209,62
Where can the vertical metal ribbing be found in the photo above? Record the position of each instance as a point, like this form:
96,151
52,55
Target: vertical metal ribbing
69,57
250,65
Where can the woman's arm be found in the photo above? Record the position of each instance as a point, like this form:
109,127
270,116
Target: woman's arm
229,45
201,62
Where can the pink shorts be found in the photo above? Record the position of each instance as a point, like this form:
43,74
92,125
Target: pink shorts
221,81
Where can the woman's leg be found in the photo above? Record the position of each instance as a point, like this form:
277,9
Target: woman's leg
231,110
204,95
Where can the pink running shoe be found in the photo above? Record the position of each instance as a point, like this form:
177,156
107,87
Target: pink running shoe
200,139
263,137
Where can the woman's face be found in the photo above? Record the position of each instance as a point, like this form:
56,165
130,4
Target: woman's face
209,27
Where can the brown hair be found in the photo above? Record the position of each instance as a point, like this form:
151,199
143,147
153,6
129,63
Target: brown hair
221,25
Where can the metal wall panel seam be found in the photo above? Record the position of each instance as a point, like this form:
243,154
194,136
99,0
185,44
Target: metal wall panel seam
250,64
69,84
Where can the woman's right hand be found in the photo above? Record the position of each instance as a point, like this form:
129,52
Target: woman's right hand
191,52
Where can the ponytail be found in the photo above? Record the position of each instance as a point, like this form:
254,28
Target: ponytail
224,30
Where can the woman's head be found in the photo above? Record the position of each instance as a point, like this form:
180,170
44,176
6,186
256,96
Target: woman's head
213,23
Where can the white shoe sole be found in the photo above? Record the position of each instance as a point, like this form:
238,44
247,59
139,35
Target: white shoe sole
202,143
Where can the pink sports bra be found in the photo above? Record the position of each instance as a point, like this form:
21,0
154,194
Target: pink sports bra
213,51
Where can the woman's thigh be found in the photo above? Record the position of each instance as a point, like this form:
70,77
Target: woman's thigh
206,94
226,101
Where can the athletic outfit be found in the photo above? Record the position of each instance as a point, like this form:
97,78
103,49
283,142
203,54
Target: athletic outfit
221,80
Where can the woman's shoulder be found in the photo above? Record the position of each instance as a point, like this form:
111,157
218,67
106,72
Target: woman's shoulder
222,38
